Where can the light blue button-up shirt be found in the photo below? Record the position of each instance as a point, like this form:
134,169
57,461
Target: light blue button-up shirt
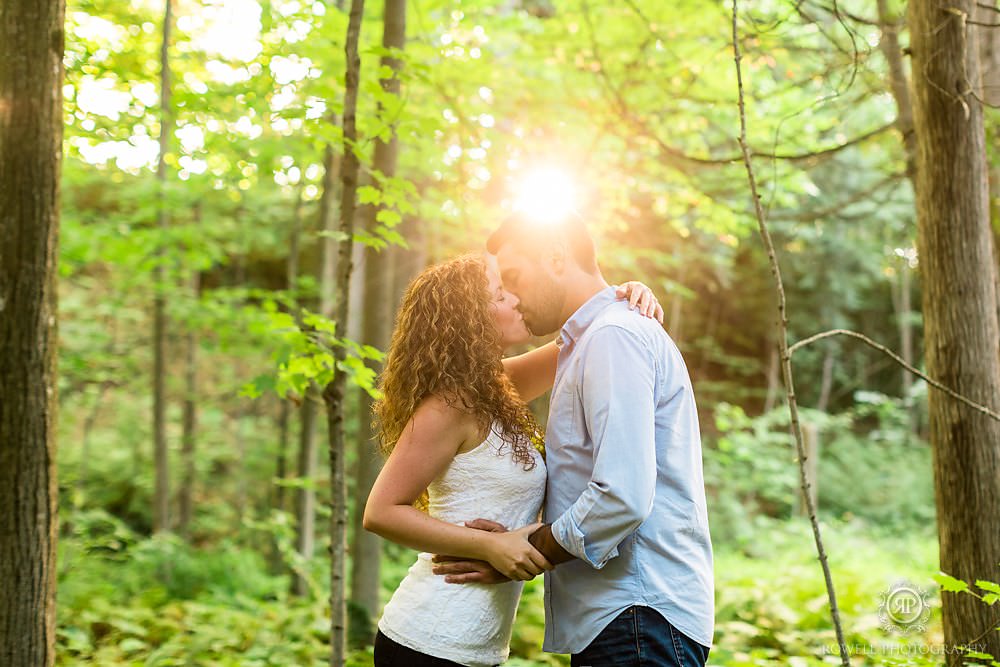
626,494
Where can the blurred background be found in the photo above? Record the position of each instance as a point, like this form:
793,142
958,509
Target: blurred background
199,223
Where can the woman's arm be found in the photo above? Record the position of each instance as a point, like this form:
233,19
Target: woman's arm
429,442
533,373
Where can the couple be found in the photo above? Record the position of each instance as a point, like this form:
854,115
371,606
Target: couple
625,547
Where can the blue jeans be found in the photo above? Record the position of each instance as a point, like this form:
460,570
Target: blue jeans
641,637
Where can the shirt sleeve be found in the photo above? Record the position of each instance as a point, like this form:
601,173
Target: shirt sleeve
617,392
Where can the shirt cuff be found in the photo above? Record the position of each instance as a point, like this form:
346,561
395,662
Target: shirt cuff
571,538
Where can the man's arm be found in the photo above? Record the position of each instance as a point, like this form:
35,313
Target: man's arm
618,393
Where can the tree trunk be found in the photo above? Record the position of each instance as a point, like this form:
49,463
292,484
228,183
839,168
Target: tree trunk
366,550
674,324
959,306
773,379
31,76
810,438
893,54
305,508
826,383
986,13
161,462
334,392
190,409
284,415
306,503
899,85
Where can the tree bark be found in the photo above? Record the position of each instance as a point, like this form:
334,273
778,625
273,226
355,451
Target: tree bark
773,379
366,549
898,84
305,508
987,32
959,306
285,410
190,409
826,383
306,503
31,76
161,462
334,392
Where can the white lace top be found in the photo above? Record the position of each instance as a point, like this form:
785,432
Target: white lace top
467,623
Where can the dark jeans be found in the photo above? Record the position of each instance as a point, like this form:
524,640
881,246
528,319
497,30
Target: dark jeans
641,637
390,654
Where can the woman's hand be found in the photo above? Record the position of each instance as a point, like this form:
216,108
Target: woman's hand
514,557
641,297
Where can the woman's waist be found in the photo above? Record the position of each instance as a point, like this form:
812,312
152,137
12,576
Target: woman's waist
423,595
459,515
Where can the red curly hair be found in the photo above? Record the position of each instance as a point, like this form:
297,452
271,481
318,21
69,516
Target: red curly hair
445,343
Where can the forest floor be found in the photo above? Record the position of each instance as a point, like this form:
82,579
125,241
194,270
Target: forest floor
125,600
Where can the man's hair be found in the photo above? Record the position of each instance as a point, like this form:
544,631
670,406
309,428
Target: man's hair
531,238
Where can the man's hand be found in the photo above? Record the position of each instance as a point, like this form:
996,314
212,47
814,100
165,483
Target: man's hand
515,556
461,571
465,571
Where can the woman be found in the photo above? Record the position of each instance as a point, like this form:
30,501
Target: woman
460,443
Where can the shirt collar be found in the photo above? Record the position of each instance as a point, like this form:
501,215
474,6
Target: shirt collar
584,316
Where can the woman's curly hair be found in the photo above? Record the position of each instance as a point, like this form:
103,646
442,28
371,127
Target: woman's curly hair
445,343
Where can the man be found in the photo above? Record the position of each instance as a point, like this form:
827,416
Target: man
627,525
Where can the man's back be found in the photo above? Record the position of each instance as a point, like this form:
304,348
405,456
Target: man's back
626,491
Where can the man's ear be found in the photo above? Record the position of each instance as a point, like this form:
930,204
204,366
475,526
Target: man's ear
557,256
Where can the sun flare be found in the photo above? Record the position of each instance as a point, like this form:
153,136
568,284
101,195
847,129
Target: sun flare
546,195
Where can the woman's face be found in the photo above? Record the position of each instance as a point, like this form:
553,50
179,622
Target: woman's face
506,317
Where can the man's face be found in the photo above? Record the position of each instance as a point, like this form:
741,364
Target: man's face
537,287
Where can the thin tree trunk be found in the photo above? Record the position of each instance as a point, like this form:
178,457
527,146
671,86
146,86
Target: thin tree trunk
826,383
161,462
773,381
906,324
366,549
305,508
88,426
786,356
190,408
959,306
306,497
674,326
893,54
31,77
899,85
810,437
285,410
986,13
334,392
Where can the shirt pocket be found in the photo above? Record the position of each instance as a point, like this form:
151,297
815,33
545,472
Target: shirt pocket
562,429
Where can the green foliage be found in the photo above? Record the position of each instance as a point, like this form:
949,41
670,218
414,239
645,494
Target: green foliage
950,584
637,101
870,467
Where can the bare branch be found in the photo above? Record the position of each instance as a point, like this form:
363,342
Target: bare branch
786,359
881,348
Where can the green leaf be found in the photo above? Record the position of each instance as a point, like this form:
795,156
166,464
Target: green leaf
369,195
388,217
336,235
988,586
950,583
977,654
131,644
